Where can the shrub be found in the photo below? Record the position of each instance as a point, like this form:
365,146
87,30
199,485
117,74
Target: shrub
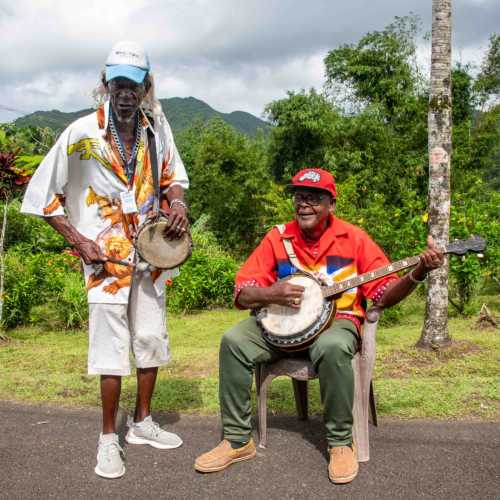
71,304
207,278
34,234
41,278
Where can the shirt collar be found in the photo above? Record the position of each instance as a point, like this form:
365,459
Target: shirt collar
292,229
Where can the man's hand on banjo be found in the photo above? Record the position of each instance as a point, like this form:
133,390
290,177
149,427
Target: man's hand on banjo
281,292
286,294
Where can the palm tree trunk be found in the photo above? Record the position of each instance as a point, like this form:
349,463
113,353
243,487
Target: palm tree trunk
435,329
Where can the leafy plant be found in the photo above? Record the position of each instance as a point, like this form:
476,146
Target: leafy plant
206,279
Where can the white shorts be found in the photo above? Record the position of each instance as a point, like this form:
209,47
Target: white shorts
140,325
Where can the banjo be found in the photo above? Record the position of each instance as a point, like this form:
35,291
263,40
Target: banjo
291,329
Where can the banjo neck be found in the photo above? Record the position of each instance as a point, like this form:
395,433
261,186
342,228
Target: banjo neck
394,267
474,244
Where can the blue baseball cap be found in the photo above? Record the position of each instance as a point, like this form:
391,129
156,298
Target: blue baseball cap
127,60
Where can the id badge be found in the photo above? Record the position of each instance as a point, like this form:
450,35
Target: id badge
128,202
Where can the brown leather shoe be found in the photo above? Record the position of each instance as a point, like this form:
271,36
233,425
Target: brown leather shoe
343,467
223,456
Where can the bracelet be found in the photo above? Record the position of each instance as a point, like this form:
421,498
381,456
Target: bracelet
179,202
415,280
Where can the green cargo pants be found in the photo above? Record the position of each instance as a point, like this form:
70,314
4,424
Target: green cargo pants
243,346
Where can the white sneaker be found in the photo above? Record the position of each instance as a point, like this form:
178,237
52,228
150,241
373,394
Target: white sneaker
110,457
149,432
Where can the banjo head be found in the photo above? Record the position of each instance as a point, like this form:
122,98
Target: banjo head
158,250
289,328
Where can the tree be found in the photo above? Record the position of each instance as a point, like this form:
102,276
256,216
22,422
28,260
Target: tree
435,329
303,133
488,81
381,68
228,175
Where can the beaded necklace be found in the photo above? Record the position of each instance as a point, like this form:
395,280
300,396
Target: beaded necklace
130,163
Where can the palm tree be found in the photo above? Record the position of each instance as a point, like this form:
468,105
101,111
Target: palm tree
435,329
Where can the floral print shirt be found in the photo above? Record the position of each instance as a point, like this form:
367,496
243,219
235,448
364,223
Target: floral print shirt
82,177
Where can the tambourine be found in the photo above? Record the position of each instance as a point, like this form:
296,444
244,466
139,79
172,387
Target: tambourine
159,250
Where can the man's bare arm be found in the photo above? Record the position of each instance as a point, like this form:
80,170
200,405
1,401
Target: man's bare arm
89,250
396,291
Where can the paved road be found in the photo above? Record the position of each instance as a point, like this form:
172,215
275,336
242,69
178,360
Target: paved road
49,452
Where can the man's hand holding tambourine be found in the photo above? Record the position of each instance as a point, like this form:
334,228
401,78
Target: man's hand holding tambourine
178,222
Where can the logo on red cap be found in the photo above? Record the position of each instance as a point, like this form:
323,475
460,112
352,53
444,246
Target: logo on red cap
310,175
316,178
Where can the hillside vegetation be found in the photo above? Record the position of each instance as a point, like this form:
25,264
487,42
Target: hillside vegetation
180,111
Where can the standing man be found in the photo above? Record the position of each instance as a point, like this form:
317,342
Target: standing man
332,250
95,187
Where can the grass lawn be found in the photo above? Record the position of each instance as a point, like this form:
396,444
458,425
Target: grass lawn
460,382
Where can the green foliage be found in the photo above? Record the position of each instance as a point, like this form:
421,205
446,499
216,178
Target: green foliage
32,140
33,234
34,279
304,128
461,98
380,67
71,304
66,305
487,83
473,212
228,176
206,279
20,155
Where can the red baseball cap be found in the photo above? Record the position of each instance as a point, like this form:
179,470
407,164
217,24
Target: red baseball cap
315,178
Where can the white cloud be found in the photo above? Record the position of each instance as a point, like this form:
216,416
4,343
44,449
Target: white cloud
232,54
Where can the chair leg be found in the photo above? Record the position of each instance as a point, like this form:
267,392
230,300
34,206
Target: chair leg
264,381
360,415
373,406
300,392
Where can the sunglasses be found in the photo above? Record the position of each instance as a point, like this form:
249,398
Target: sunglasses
309,198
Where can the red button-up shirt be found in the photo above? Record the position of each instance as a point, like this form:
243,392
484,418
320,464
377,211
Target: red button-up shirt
342,252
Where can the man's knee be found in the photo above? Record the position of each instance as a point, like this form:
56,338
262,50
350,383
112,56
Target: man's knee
239,334
235,338
335,346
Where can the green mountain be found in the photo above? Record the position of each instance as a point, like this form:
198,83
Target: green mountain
180,112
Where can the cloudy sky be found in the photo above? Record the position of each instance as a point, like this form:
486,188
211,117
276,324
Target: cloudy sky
233,54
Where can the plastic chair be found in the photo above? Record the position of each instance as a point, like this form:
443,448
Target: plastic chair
301,371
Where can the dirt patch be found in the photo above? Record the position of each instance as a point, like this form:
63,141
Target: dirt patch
401,362
487,320
481,406
73,393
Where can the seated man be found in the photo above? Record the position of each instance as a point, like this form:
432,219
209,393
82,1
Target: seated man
331,250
